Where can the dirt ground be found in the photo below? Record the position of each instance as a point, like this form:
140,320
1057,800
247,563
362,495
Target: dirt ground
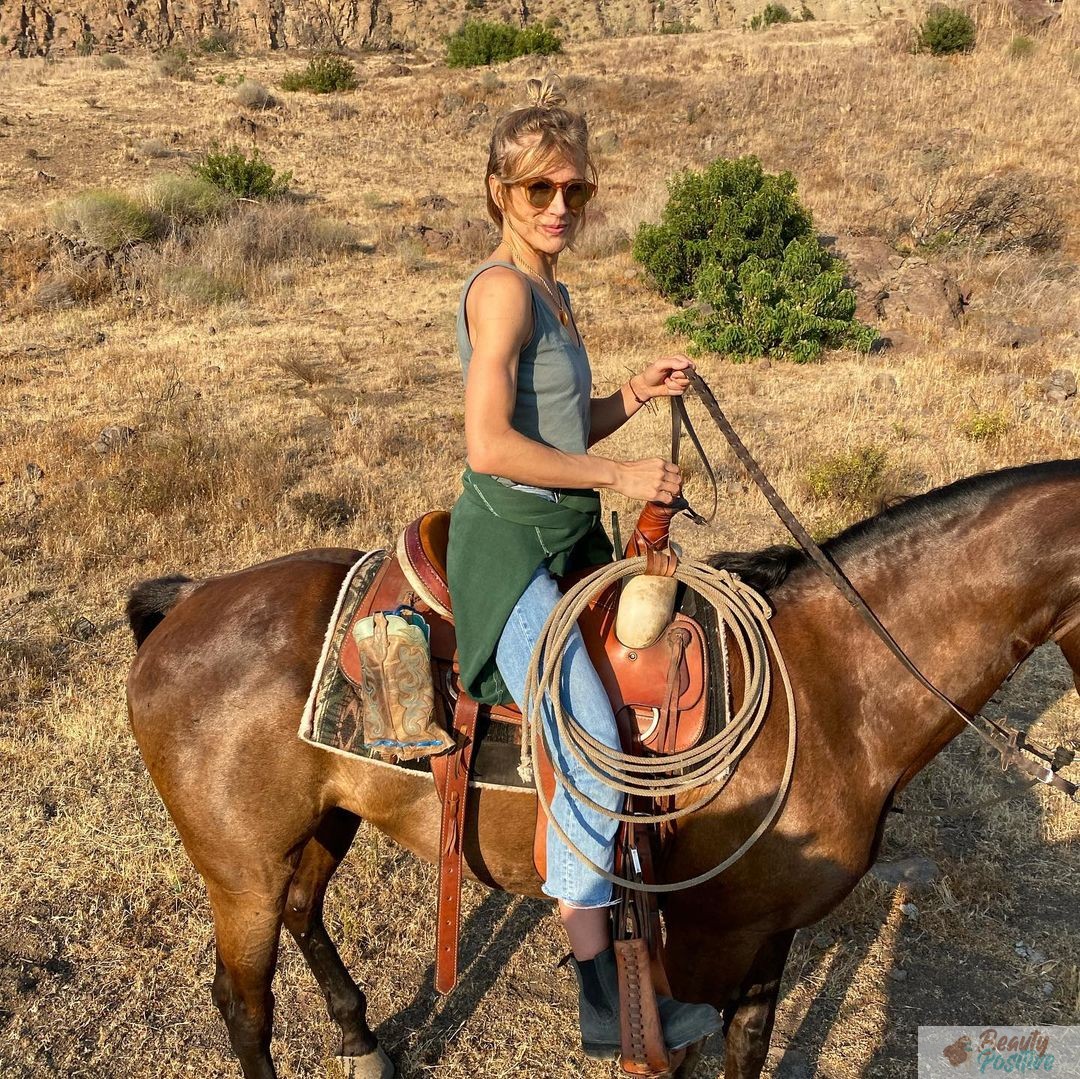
322,406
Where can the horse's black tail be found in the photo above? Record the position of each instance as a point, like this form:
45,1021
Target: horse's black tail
150,601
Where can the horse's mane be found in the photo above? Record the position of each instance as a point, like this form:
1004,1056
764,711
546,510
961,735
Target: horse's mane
767,569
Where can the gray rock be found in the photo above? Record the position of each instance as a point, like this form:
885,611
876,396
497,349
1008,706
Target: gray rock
913,870
1065,379
899,342
435,202
764,364
923,291
898,974
114,438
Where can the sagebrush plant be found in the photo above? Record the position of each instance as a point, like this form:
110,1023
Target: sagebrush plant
856,479
1021,47
735,244
107,219
186,200
233,171
946,30
327,73
478,42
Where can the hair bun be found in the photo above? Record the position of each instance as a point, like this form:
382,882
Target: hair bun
546,93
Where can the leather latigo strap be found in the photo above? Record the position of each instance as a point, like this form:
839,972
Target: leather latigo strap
643,1049
451,772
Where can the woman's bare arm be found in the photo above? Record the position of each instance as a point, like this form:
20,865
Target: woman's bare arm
499,311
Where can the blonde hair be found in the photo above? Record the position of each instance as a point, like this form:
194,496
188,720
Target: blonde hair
514,155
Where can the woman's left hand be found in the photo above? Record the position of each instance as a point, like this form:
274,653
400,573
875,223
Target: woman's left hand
665,377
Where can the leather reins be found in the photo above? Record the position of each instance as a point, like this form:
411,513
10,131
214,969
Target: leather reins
1008,741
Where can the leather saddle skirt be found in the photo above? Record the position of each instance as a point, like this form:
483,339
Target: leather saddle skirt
659,693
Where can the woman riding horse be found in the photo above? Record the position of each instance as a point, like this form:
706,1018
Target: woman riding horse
530,506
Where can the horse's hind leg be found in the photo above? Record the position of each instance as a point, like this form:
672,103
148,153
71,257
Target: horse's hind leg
304,920
247,926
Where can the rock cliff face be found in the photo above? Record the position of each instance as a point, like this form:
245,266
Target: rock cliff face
39,27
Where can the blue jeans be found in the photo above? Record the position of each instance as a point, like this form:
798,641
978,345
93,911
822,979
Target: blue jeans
583,695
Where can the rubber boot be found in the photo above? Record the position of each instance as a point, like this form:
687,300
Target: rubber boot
598,1001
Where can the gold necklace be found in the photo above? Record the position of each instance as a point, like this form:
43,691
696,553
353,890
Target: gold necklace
555,295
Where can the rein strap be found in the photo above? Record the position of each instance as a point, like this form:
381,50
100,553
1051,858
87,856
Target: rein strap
1008,741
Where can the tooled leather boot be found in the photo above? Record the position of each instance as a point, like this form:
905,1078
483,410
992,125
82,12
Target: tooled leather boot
598,1001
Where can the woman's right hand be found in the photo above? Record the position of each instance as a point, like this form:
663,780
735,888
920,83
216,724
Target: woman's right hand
650,480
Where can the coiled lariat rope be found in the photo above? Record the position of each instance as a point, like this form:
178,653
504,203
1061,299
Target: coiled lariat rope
702,770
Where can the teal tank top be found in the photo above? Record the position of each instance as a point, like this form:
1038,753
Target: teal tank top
554,381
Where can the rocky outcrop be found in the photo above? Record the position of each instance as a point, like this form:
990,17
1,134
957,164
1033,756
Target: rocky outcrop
40,27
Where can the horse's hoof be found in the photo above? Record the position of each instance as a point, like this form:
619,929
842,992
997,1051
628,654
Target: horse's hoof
375,1065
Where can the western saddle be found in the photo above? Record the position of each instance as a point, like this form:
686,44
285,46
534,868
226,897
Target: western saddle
659,693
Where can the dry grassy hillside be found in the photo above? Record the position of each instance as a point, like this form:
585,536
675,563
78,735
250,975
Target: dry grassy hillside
290,380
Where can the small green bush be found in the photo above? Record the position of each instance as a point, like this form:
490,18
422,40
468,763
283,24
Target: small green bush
1021,47
478,42
983,426
679,28
186,200
773,14
855,479
738,250
106,219
325,74
85,45
111,62
245,177
946,30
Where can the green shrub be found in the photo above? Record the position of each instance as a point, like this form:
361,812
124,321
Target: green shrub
806,14
325,74
1021,47
855,479
946,30
245,177
85,45
106,219
679,28
773,14
735,245
111,62
186,200
478,42
983,426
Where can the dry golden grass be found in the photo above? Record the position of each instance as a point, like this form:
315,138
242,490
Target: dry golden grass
325,408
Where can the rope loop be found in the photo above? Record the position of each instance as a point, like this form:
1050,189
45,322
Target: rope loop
692,777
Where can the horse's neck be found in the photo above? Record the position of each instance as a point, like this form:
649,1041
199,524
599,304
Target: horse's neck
967,602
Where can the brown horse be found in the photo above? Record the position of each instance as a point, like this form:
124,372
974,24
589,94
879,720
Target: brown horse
969,578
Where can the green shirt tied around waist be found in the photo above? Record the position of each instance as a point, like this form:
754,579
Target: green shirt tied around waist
498,537
499,533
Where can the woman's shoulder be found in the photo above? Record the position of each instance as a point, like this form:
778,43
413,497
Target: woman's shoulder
497,284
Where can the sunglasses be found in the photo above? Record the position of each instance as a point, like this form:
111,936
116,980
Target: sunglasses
576,193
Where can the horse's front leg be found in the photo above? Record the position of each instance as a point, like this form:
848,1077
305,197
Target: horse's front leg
739,973
748,1021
